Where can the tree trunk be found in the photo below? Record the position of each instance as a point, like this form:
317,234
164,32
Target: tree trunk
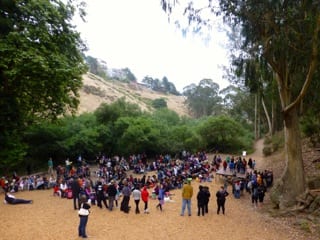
267,116
292,182
255,116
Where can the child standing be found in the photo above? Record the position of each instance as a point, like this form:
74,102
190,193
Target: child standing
84,215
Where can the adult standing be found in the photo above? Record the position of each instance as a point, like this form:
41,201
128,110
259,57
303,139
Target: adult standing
145,198
201,199
112,192
50,167
221,199
136,194
207,198
187,193
84,216
126,192
76,188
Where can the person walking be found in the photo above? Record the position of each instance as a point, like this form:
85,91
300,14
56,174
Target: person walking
145,198
101,198
84,216
187,193
221,199
161,193
136,194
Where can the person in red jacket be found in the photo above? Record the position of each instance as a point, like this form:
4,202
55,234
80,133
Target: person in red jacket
145,198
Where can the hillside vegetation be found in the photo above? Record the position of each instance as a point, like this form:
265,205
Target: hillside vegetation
96,90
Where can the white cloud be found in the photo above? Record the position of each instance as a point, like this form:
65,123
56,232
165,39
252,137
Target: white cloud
137,35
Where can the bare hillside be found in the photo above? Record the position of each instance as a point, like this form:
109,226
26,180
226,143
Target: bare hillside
96,90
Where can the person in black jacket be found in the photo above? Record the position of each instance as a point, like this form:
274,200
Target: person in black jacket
207,191
112,192
221,199
201,198
101,197
76,188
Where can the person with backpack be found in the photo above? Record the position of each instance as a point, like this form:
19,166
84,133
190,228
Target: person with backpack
221,199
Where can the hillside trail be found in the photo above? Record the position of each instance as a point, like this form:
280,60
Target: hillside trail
54,218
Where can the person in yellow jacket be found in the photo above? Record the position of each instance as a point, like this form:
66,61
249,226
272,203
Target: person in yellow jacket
187,193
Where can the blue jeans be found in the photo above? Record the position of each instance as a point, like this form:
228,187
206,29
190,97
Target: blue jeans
82,226
186,202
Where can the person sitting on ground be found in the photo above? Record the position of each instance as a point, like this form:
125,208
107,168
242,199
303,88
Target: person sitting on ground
10,199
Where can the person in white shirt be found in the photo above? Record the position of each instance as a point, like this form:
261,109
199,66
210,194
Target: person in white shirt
11,199
136,194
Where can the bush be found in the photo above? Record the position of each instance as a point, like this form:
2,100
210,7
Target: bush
267,151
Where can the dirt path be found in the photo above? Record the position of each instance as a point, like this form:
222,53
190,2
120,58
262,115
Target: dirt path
54,218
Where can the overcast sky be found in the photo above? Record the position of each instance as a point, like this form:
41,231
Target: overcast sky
136,34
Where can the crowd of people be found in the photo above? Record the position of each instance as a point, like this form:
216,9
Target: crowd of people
112,178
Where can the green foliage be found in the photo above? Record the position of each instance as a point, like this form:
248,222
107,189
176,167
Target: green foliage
204,99
310,125
97,67
163,85
12,151
159,103
224,134
110,113
41,66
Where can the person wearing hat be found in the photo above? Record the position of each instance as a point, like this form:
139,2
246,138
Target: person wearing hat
187,193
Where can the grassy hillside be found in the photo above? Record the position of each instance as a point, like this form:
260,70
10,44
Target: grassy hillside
96,90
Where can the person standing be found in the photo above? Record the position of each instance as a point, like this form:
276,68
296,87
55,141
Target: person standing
112,192
76,188
126,192
136,194
187,193
84,216
145,198
50,167
207,199
201,199
221,199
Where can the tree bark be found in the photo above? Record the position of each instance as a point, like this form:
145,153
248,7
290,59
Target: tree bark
292,182
267,116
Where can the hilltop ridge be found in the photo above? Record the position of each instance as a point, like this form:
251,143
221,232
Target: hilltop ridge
96,90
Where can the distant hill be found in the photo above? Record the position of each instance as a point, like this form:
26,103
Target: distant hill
96,90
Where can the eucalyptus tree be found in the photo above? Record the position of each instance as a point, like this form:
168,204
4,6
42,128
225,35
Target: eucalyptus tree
203,99
41,67
286,34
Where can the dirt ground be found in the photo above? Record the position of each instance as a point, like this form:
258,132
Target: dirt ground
51,217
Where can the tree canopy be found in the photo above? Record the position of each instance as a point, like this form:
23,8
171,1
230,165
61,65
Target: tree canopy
41,65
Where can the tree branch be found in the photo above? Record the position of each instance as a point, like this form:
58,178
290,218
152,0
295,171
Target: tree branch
312,67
